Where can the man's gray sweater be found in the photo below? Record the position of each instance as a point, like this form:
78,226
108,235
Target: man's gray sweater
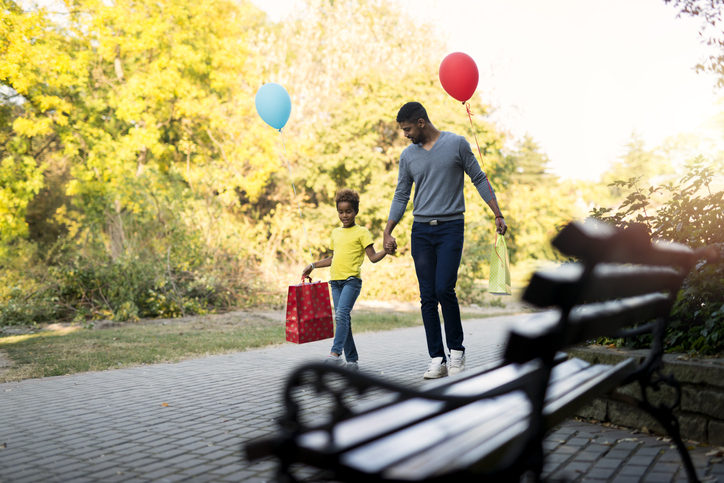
439,178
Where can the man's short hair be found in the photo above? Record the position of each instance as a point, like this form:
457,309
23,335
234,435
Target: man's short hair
412,112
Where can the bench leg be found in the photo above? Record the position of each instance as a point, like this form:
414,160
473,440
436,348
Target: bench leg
665,416
285,451
283,476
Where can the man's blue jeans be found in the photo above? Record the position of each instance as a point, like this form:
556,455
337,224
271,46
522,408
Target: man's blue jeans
437,251
344,295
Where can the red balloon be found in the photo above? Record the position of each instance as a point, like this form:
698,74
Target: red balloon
459,76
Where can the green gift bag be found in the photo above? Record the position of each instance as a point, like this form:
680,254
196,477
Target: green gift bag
499,282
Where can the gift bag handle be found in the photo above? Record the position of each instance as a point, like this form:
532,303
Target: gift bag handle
495,249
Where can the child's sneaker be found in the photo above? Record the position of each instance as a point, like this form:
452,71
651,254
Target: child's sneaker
353,366
436,370
334,361
457,362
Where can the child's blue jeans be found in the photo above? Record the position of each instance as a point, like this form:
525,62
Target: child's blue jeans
344,295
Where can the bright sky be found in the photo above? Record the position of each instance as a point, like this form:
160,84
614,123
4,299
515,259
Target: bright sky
579,76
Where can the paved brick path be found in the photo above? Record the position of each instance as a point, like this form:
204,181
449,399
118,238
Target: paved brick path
187,421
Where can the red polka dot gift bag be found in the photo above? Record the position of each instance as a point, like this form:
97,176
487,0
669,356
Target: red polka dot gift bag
309,312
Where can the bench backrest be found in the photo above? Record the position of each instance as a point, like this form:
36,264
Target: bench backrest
622,278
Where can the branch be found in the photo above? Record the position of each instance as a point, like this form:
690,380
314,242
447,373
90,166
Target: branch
40,151
223,153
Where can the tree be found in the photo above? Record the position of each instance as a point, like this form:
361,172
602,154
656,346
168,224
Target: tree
710,12
535,202
639,162
139,96
140,112
24,141
132,155
528,165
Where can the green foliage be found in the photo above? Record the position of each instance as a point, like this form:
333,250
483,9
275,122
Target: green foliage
709,12
688,213
137,97
648,165
535,203
20,181
91,288
136,179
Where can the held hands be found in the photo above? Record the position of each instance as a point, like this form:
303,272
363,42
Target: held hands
390,244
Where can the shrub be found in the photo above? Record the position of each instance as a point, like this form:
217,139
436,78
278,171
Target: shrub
690,214
89,288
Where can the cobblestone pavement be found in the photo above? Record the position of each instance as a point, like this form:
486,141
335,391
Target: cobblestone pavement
187,421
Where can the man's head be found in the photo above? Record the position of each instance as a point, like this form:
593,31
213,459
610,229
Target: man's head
412,112
412,118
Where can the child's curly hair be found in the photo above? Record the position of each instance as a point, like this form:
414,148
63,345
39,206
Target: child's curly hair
348,195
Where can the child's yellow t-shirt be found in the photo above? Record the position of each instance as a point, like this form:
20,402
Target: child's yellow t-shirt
349,246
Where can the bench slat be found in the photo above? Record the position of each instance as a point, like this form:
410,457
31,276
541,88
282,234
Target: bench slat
501,379
598,242
585,323
367,426
560,286
606,319
567,370
486,443
565,385
382,453
566,398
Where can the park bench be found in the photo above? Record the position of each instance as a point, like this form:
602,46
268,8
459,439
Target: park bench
490,423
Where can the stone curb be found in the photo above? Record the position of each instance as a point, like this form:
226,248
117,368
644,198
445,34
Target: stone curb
701,412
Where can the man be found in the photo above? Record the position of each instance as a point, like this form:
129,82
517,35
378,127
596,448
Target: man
436,163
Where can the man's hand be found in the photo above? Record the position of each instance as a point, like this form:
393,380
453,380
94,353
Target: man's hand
388,241
390,244
500,225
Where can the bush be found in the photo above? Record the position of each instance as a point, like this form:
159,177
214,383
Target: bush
690,214
82,289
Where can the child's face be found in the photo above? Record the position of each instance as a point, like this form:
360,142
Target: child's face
346,213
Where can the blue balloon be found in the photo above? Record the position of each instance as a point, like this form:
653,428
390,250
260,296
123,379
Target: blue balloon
273,105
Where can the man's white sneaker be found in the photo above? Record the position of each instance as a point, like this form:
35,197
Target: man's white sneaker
334,361
352,366
436,370
457,362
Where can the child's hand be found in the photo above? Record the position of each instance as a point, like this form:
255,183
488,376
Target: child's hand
307,270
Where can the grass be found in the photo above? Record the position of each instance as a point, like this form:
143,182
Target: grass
61,350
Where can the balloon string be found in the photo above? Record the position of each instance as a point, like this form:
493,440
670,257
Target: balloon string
472,128
299,207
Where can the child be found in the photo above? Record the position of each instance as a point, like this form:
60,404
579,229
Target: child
349,243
